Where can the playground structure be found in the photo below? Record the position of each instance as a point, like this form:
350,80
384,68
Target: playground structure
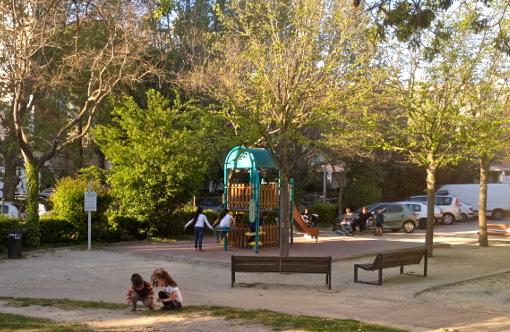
253,198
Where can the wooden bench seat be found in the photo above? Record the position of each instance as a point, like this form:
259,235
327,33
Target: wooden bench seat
498,229
397,258
279,264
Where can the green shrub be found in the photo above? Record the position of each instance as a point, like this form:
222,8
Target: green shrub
68,201
361,194
126,228
327,212
54,230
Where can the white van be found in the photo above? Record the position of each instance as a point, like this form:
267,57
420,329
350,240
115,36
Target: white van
498,196
9,209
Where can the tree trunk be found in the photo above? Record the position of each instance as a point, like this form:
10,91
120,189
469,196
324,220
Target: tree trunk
11,161
431,183
341,181
32,207
482,202
285,222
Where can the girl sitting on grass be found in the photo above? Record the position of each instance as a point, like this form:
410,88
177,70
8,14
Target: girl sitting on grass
170,296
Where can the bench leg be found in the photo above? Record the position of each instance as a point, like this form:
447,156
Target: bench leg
328,280
380,276
232,272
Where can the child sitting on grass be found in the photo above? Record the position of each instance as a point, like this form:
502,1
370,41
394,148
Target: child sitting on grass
171,295
140,291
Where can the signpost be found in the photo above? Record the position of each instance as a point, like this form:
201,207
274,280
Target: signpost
89,206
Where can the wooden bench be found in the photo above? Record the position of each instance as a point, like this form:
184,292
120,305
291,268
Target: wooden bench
498,229
282,265
393,259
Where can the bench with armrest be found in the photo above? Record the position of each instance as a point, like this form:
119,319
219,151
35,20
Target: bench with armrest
280,264
397,258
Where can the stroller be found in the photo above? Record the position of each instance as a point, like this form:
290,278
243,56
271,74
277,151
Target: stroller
311,219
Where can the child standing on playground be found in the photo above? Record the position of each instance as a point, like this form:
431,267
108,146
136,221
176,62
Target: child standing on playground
199,221
140,291
379,222
170,296
225,220
252,226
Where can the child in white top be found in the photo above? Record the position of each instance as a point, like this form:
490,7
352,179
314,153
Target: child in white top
171,295
199,221
225,221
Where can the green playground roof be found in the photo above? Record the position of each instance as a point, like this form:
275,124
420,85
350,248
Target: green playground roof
242,157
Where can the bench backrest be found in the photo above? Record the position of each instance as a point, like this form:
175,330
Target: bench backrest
281,264
400,257
306,264
255,264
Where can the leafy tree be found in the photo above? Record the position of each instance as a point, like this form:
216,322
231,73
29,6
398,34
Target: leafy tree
409,20
431,92
58,61
280,68
487,91
159,154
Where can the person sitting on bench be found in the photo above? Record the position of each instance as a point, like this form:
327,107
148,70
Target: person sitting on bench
361,220
346,224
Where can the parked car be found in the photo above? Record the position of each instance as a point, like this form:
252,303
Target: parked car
421,212
449,203
397,216
213,203
10,209
466,211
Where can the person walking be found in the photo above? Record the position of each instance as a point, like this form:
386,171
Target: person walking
199,221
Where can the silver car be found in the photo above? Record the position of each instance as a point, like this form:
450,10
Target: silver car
449,203
421,212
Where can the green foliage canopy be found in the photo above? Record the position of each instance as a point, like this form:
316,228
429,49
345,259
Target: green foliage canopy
159,153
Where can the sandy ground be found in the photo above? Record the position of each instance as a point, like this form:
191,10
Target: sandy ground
467,290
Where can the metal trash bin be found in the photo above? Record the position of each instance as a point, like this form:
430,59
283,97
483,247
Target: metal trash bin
14,244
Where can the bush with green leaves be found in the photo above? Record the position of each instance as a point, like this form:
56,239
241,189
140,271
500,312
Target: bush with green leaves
361,194
327,212
68,204
55,230
160,149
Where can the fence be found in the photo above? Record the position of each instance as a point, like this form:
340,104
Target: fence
240,194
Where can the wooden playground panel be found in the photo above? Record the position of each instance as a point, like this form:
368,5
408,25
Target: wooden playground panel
238,238
240,194
238,201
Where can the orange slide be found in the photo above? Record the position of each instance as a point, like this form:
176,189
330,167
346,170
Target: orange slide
301,227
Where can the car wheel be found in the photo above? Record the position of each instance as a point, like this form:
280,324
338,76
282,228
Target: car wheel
464,217
408,226
497,214
395,230
448,219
